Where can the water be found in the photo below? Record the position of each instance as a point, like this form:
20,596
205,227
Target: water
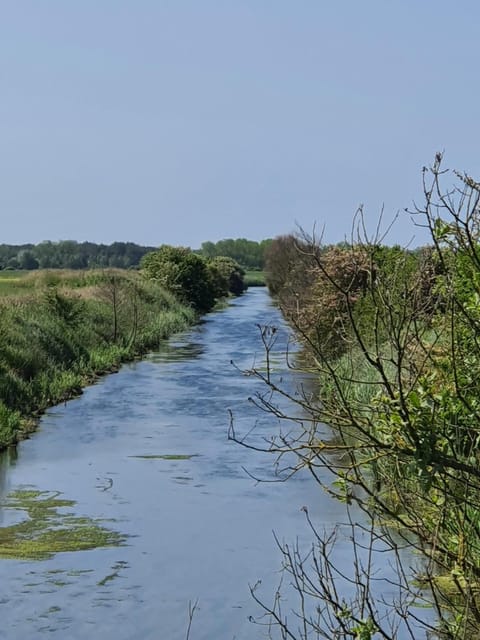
146,451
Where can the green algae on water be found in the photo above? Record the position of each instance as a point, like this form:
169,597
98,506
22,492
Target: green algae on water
45,531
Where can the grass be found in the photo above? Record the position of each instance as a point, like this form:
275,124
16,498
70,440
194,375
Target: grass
255,278
20,283
14,283
359,381
71,327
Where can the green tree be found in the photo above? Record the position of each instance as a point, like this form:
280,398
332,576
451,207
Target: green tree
183,273
402,400
248,253
227,276
26,260
208,250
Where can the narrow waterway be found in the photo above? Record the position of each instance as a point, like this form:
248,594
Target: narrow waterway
145,453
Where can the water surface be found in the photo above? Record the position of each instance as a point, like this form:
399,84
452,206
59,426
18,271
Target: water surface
145,453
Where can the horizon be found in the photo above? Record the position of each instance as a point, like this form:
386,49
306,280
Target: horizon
173,122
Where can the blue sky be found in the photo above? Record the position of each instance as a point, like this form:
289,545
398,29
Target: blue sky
184,121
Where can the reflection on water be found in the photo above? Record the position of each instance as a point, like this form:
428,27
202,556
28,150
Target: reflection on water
7,460
4,464
174,351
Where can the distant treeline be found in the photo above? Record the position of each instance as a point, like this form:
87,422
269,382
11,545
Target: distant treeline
248,253
69,254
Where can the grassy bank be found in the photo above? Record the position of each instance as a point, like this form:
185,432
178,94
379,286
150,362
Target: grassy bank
60,330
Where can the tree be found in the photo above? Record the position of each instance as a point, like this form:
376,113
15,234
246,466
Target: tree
402,399
281,256
248,253
26,260
45,254
227,276
183,273
208,250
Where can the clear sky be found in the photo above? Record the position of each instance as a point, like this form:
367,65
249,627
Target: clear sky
180,121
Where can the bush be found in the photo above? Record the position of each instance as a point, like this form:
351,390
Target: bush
402,397
183,273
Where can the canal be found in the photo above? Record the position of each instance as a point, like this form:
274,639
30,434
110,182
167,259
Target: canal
145,455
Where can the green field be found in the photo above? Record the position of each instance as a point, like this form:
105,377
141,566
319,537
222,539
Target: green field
255,278
14,282
21,283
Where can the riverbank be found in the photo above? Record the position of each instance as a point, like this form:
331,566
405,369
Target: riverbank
61,330
392,336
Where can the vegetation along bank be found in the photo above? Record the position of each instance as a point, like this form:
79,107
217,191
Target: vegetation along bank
59,329
392,334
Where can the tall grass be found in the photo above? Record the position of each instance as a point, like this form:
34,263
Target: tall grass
70,328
